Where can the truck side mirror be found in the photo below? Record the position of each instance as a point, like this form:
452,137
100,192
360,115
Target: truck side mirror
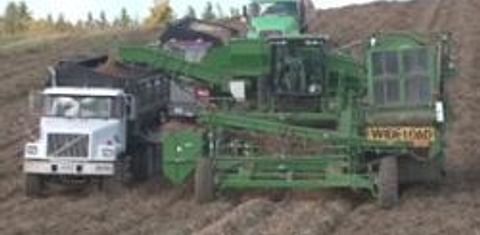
35,102
130,107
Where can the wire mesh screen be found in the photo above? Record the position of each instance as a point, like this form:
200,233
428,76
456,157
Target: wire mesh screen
385,63
392,89
418,90
387,91
386,71
415,61
413,77
379,92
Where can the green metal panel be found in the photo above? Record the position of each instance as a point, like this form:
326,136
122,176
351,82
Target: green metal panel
246,122
331,181
286,25
279,24
240,58
181,149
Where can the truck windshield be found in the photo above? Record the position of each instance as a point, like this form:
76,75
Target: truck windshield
81,107
277,8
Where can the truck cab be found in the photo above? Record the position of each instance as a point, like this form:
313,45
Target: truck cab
82,133
274,18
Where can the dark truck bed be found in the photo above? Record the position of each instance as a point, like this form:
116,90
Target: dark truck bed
151,89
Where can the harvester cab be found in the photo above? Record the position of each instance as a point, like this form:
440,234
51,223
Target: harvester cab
297,74
269,18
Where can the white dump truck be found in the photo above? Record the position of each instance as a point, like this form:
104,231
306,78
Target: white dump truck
98,123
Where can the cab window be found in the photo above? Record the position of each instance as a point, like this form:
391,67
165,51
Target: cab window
386,77
417,83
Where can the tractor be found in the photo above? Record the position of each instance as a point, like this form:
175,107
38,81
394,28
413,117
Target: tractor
269,18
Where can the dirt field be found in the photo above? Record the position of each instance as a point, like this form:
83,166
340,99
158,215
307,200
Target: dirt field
154,208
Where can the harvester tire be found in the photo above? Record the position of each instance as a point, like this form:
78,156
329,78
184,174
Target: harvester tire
388,184
204,181
34,185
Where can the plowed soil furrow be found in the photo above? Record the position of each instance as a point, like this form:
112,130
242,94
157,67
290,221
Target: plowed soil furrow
304,217
244,216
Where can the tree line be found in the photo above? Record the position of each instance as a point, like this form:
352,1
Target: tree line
17,18
211,13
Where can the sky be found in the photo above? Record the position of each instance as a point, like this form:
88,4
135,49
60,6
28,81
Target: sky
74,10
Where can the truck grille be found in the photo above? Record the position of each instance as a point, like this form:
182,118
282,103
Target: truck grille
67,145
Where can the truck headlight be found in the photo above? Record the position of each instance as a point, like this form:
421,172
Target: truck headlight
31,150
108,153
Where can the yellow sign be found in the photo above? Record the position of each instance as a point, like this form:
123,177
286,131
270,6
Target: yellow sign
418,136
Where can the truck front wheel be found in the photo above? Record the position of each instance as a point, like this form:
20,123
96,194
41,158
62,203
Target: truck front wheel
34,185
204,180
388,192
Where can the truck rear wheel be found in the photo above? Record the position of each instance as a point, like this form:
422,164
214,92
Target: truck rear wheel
388,192
140,166
145,164
204,181
34,185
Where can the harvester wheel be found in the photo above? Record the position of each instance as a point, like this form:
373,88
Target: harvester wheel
204,181
34,185
388,192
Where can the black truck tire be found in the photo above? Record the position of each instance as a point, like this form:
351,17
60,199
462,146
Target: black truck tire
34,185
204,181
145,163
140,166
388,184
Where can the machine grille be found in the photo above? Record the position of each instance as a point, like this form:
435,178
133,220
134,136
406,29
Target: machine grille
67,145
270,33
